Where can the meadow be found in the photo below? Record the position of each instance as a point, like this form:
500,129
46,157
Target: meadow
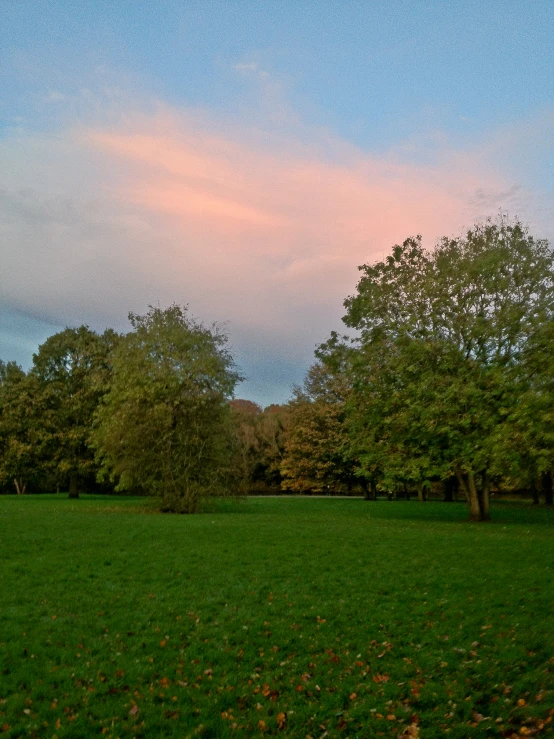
286,617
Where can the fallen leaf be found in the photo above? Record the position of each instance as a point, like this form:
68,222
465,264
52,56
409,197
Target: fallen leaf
134,710
411,732
380,678
281,718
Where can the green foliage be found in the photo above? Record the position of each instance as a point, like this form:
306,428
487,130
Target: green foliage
18,399
442,373
317,458
71,372
164,425
260,443
327,611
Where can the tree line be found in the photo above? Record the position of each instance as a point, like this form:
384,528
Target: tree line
448,380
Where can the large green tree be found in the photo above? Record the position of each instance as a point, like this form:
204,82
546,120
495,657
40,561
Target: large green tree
164,426
71,372
443,355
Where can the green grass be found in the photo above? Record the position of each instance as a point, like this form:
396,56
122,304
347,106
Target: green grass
351,618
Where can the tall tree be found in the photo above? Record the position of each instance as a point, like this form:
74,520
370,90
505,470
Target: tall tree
444,336
164,425
71,371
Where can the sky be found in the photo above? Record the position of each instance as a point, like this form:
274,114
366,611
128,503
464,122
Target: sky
245,157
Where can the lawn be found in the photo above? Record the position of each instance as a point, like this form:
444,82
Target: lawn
277,617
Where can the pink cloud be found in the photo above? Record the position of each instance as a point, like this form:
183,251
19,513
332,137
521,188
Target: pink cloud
286,220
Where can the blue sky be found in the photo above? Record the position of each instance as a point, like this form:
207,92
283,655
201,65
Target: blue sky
285,119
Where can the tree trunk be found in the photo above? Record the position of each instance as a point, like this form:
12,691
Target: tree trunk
20,486
406,492
449,489
485,499
467,483
478,501
546,479
73,488
420,492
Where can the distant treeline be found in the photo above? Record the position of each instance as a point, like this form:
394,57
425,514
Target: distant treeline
446,389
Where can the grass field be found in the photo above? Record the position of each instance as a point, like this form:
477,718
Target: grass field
290,617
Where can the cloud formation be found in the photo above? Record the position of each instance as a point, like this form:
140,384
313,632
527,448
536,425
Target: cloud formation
262,231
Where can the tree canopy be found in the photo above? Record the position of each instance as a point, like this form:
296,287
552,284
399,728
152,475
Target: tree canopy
447,342
72,370
164,424
317,452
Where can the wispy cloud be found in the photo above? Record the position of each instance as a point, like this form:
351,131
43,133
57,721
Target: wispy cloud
251,68
53,96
